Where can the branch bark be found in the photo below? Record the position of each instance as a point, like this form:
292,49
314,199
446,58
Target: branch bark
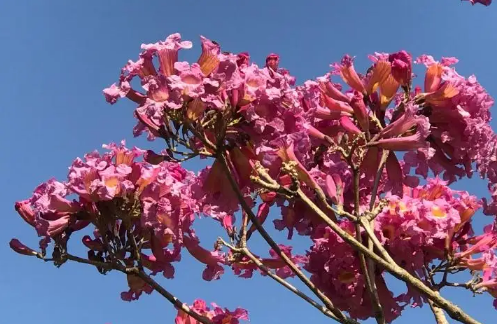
438,313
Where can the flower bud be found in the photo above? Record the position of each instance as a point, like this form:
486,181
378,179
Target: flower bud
360,110
349,126
401,67
20,248
243,59
272,61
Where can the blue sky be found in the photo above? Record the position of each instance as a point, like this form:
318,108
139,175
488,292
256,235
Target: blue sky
58,55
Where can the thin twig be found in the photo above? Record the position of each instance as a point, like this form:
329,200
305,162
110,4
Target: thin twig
269,183
103,265
367,274
170,297
379,172
134,247
147,279
245,251
273,244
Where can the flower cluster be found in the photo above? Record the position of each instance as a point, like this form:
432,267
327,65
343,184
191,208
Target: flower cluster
358,148
416,229
425,223
335,269
217,314
326,131
127,202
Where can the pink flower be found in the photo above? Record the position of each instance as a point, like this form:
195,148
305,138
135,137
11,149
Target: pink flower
349,126
483,2
272,61
167,52
212,259
360,110
389,136
20,248
157,88
401,67
331,89
114,92
136,287
255,83
334,188
189,80
95,245
349,75
208,60
339,106
217,315
243,59
481,243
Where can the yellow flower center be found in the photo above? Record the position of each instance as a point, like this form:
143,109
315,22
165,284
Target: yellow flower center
438,212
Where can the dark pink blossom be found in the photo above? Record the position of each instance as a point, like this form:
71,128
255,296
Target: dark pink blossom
401,67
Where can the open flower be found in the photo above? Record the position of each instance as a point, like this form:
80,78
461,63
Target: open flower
167,52
212,259
409,132
349,75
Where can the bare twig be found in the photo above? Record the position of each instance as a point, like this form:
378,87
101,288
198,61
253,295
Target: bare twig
379,172
245,251
147,279
170,297
103,265
368,275
272,243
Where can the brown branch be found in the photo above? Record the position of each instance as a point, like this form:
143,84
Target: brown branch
379,172
99,264
454,311
367,272
272,243
243,236
269,183
147,279
245,251
438,313
170,297
384,254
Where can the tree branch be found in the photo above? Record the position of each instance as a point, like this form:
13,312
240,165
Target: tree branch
454,311
245,251
147,279
367,272
170,297
438,313
272,243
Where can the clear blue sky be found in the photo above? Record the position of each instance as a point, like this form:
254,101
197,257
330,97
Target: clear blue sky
57,56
